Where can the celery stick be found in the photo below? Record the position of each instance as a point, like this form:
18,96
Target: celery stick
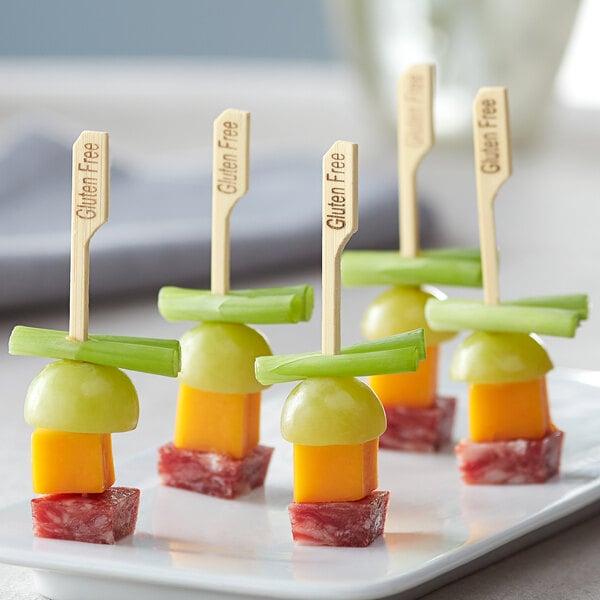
474,315
142,341
261,306
148,355
415,338
374,267
458,253
576,302
304,291
292,367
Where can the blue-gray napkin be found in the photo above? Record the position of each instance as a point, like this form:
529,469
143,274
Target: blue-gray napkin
158,231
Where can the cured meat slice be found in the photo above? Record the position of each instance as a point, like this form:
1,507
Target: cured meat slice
355,523
212,473
102,518
416,429
510,462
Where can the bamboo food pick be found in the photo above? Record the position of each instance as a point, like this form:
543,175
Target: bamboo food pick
231,155
542,315
412,266
288,304
415,139
493,166
90,200
393,354
90,194
340,222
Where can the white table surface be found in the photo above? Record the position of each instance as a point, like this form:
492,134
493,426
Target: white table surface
547,215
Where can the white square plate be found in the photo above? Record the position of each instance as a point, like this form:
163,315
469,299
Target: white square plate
191,546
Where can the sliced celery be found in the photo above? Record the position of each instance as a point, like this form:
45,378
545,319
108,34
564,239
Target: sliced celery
441,267
289,304
148,355
576,302
474,315
453,253
415,338
304,292
392,354
292,367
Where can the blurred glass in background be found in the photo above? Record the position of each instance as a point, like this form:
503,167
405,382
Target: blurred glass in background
473,43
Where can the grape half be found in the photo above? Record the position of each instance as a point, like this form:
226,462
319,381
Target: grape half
326,411
81,397
486,357
219,357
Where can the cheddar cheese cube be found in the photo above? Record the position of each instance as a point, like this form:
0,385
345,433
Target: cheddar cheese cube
336,473
215,422
417,388
509,411
65,462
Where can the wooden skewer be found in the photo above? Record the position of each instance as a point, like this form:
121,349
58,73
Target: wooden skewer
90,194
415,139
231,166
493,166
340,222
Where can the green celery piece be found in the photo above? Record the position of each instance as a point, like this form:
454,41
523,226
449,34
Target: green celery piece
288,304
576,302
415,338
474,315
292,367
392,354
461,267
148,355
453,253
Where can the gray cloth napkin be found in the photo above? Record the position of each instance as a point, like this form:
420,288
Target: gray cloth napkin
158,231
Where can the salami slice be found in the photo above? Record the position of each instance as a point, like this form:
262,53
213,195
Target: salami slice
510,462
355,523
96,518
211,473
415,429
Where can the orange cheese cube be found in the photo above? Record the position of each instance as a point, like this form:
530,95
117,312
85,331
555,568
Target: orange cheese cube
335,473
416,388
64,462
214,422
509,411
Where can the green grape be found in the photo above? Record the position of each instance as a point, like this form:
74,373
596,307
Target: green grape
486,357
400,309
81,397
219,357
324,411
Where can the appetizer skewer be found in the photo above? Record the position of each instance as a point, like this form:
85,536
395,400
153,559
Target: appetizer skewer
419,419
216,448
512,438
333,419
344,468
77,402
